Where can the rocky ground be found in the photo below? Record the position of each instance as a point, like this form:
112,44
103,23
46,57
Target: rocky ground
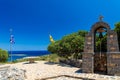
41,70
11,73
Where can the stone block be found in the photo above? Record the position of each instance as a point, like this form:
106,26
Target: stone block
113,63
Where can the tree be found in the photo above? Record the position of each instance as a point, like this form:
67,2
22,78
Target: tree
3,55
71,44
101,44
54,47
117,29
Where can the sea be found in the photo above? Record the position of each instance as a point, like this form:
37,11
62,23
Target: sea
22,54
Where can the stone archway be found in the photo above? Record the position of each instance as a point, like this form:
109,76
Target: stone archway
89,56
100,49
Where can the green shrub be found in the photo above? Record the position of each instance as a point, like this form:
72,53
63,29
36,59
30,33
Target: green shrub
69,44
3,55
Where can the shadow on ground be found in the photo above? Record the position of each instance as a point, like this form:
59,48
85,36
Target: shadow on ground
78,71
68,76
30,63
50,63
64,65
59,64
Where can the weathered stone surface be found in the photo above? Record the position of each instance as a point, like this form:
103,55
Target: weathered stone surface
112,42
88,43
87,63
12,73
113,63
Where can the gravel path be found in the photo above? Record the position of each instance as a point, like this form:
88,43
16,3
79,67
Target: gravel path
42,69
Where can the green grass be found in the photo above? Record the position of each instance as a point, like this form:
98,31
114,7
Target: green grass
50,58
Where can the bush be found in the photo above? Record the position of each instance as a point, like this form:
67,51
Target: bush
68,45
3,55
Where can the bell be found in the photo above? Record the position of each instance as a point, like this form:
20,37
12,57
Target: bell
100,35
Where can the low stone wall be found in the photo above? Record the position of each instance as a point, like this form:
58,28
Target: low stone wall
72,62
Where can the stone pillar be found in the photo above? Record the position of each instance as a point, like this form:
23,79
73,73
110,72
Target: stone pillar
88,45
87,63
87,56
112,42
113,63
113,54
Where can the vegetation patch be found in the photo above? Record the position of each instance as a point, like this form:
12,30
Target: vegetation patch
3,56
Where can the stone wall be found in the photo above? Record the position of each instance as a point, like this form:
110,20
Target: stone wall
113,63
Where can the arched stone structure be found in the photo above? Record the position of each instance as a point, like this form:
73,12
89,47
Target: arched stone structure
98,24
112,54
112,43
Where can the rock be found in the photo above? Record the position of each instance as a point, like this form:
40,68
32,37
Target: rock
12,74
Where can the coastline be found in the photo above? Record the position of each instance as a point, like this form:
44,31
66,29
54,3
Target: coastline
16,55
31,57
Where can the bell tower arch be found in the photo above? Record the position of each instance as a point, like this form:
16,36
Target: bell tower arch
91,54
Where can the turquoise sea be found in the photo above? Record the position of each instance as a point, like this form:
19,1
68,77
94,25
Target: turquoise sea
22,54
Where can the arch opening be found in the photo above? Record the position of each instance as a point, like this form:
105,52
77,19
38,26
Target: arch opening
100,49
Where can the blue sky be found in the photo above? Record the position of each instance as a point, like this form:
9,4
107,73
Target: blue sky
33,20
